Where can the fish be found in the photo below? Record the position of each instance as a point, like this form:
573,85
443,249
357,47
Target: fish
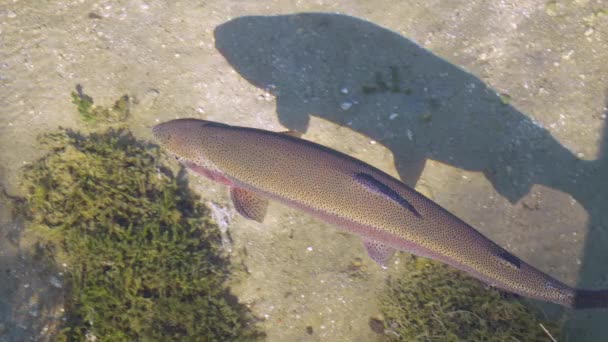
261,166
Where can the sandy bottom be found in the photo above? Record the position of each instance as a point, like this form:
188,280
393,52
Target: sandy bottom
497,110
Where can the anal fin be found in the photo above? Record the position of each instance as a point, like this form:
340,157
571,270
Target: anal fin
248,204
380,253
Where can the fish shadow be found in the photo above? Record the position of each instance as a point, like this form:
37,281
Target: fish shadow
376,82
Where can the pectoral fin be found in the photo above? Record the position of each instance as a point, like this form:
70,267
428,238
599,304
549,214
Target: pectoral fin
248,204
380,253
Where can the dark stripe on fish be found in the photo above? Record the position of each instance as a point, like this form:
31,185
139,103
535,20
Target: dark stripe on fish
372,184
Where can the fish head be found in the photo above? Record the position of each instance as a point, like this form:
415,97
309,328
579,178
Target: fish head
187,140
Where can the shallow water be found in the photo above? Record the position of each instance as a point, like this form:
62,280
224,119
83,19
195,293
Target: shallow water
497,111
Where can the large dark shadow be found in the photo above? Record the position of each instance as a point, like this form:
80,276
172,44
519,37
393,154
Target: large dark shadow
29,302
360,75
593,195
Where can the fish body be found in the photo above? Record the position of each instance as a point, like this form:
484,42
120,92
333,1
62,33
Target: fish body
260,165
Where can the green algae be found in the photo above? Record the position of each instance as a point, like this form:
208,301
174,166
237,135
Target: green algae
92,114
433,302
143,261
505,98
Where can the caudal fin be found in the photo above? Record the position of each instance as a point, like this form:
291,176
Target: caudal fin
590,299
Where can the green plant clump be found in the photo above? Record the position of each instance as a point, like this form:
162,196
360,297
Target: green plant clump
142,260
91,113
434,302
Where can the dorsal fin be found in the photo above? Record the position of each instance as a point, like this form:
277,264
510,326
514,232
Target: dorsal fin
374,185
248,204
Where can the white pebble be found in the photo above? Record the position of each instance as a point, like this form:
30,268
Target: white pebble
56,282
393,116
344,90
309,248
346,105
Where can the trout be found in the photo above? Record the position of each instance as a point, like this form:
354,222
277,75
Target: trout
260,165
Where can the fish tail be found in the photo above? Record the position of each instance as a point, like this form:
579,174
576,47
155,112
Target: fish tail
590,299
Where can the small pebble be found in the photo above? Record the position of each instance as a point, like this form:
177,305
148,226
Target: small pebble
551,8
309,249
376,324
393,116
11,14
346,105
56,282
344,90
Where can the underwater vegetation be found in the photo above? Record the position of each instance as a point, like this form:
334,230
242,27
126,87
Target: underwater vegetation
430,301
91,113
142,260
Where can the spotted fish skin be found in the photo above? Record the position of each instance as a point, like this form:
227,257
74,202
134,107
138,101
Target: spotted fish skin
357,197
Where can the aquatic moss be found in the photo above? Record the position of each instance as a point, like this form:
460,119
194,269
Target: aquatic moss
91,113
142,260
433,302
